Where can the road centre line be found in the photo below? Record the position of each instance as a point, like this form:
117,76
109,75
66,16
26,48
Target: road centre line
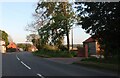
28,67
25,65
17,57
40,75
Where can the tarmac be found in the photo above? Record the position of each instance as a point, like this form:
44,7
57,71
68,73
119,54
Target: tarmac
65,60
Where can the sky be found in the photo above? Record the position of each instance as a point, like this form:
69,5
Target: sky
14,17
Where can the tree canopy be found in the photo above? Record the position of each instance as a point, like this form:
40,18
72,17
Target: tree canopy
54,20
34,38
101,20
4,36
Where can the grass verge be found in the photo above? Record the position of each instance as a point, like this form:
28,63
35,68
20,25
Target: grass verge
99,64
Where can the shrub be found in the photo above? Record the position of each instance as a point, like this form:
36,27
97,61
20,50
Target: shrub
63,48
74,53
50,48
50,53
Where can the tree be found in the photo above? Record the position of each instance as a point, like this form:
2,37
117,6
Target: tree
59,18
101,21
35,40
4,36
36,43
23,46
30,37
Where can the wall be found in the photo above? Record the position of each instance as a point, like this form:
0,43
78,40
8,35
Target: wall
2,47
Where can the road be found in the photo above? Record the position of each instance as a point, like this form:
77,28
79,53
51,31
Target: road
25,64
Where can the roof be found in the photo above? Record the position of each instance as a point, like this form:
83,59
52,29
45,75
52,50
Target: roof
90,39
12,45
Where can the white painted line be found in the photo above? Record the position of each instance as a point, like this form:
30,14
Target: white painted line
17,57
26,65
40,75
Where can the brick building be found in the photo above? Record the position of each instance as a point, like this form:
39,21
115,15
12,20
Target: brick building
91,47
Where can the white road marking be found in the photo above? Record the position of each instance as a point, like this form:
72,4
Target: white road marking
28,67
17,57
40,75
25,65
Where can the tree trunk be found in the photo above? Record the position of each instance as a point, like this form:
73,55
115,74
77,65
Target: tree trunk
67,30
68,42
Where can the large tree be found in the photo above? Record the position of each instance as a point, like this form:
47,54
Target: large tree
59,18
101,20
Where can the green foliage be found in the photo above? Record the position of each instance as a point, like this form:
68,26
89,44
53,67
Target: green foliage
49,53
113,60
25,47
50,48
56,20
73,53
63,48
94,59
36,43
34,38
4,36
101,21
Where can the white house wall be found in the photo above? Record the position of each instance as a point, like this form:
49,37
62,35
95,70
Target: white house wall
2,48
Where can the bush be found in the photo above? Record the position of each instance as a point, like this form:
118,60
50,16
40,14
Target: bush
45,53
74,53
63,48
50,48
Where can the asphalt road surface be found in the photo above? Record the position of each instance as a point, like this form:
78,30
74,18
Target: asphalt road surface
25,64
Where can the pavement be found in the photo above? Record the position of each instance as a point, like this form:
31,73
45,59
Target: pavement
26,64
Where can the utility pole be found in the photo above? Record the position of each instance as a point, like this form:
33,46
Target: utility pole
72,37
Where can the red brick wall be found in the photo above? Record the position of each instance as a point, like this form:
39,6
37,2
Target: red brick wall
81,52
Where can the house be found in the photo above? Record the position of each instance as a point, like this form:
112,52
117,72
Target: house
91,47
81,52
12,47
2,46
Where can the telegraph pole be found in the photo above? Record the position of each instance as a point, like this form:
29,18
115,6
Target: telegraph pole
72,37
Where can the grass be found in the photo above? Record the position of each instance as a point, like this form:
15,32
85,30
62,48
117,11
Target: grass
53,53
100,63
97,60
